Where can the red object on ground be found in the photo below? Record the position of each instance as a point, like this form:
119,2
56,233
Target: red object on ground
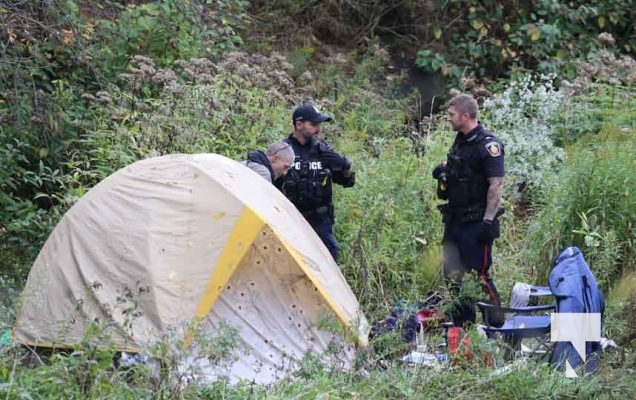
428,315
458,345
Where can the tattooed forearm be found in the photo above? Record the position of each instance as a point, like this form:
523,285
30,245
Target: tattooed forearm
493,198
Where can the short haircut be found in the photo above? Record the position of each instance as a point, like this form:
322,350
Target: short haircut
281,149
465,104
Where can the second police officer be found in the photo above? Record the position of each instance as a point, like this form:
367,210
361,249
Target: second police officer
308,184
472,181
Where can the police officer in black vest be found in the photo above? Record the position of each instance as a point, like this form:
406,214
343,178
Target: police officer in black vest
472,181
308,184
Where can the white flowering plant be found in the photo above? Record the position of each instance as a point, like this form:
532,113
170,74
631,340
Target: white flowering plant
522,117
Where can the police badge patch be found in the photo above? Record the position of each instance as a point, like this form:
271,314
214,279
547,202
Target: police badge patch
494,149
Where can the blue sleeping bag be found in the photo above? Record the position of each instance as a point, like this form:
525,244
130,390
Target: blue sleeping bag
575,289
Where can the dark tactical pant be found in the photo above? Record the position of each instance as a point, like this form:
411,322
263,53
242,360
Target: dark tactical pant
324,228
465,251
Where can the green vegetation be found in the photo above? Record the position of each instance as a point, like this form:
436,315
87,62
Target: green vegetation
597,213
491,37
86,89
486,39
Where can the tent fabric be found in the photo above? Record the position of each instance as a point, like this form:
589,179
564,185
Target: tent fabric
177,238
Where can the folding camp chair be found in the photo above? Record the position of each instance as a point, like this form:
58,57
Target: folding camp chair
536,292
524,294
521,323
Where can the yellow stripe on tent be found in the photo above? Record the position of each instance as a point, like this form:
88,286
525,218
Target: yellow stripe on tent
247,227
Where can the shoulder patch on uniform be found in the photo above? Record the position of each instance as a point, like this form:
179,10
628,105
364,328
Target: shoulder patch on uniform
494,149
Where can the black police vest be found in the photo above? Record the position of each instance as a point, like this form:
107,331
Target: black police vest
467,181
308,184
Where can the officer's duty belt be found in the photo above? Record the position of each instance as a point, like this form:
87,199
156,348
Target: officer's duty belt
462,215
317,213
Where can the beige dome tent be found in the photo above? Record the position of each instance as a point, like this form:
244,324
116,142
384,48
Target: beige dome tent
172,239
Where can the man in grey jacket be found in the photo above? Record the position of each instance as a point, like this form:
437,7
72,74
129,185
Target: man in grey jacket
273,163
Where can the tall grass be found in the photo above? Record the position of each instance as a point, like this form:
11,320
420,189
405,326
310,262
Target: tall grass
387,220
593,207
89,374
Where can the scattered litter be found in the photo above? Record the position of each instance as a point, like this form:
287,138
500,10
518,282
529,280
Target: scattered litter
435,360
510,367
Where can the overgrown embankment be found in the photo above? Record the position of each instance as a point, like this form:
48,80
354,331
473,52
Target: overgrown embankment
89,90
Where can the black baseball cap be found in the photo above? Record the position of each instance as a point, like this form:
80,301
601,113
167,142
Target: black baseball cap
309,112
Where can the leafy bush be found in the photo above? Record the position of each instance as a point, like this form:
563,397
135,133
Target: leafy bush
489,38
168,31
53,54
484,38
